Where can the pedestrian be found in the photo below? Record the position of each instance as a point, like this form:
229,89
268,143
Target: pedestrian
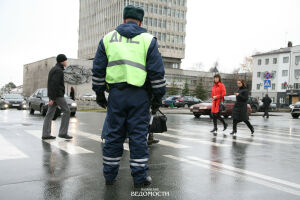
126,61
266,104
72,94
240,109
217,94
56,92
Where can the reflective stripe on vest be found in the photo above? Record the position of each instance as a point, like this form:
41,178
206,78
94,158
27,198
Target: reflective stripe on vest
126,58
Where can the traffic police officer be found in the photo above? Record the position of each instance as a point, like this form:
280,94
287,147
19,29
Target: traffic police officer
129,64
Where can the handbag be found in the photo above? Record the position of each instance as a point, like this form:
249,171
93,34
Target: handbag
221,104
158,123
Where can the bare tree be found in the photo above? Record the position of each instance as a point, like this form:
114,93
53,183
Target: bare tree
247,65
214,68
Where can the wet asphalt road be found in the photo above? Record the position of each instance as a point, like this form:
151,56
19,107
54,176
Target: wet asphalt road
188,163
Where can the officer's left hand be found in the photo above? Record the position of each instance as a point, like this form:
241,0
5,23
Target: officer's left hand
101,100
155,104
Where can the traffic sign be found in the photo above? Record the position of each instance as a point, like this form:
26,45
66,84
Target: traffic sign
268,75
267,83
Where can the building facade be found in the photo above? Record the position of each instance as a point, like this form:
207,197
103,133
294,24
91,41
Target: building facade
35,76
165,19
284,66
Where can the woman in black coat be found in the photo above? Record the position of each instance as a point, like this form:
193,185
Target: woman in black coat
240,110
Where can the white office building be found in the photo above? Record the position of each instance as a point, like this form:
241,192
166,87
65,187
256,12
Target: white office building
284,66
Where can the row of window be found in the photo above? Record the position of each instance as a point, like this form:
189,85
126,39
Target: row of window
161,23
284,60
165,37
258,86
284,73
158,9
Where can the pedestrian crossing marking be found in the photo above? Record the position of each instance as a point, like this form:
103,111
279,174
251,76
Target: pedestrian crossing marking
126,145
9,151
242,174
61,144
192,133
195,140
258,175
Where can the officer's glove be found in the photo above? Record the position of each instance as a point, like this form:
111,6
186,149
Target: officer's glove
101,100
155,104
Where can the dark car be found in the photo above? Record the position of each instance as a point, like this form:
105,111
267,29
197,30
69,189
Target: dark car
254,104
3,104
170,101
204,108
295,110
13,101
39,100
186,101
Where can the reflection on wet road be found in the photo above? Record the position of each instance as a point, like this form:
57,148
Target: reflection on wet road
188,163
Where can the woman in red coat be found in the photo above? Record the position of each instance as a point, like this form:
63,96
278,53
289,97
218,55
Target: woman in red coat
217,94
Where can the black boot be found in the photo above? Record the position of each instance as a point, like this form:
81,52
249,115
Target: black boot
233,132
252,131
146,182
214,130
225,126
109,182
151,139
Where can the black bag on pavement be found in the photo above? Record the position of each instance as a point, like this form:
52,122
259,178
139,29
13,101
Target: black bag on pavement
158,123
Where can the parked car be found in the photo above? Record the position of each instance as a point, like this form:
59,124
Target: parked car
39,100
272,107
205,107
3,104
170,100
186,101
254,104
13,101
295,110
88,97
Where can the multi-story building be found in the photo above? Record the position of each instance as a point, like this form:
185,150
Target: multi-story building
165,19
284,66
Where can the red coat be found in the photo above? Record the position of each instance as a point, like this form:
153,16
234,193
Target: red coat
218,90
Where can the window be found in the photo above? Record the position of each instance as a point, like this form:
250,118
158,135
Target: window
274,60
296,85
283,86
286,59
258,74
297,60
259,62
284,72
267,61
273,86
258,86
297,73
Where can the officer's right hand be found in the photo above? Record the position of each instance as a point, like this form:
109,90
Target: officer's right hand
101,100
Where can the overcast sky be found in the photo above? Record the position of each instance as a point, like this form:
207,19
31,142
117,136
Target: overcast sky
222,30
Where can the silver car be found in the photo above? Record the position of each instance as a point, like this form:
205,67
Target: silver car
39,100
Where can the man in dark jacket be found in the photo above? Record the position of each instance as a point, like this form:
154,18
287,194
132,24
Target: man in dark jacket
128,61
266,104
56,92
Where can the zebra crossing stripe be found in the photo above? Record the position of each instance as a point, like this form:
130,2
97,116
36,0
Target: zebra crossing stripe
192,133
266,181
9,151
194,140
67,146
125,145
